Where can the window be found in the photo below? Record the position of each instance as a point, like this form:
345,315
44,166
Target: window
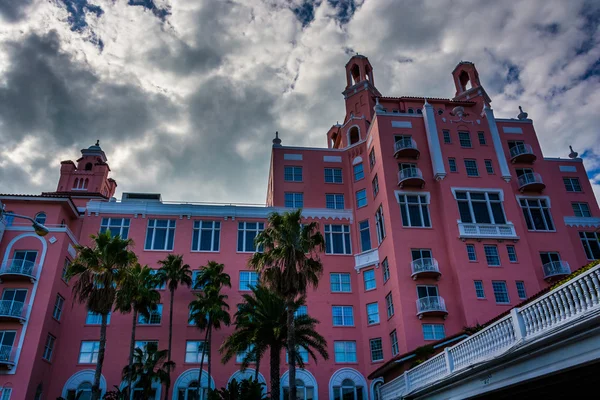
589,240
452,164
301,310
471,252
300,351
194,350
337,239
248,280
342,315
13,301
488,167
481,137
340,282
411,111
247,231
23,262
206,236
500,292
389,305
376,349
292,174
414,210
333,175
361,198
375,185
480,207
365,235
521,290
465,139
380,224
515,143
93,318
479,292
6,392
424,291
394,341
471,167
581,209
334,201
369,277
491,255
537,214
88,352
433,331
195,276
303,392
372,313
572,184
422,254
163,285
40,218
155,317
359,172
160,234
512,253
116,226
240,356
549,257
386,270
345,351
294,200
58,306
146,345
49,347
63,275
447,138
372,158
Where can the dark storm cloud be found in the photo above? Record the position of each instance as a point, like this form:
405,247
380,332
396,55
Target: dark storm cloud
13,10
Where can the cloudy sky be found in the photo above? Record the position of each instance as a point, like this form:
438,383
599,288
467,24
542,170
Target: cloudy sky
185,95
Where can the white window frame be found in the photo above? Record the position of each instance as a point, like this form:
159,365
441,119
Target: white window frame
92,318
511,250
469,252
334,173
497,293
521,291
446,136
343,313
380,224
489,167
293,173
372,159
461,140
471,167
420,204
578,209
243,227
49,347
361,198
386,270
170,231
349,351
585,242
212,228
93,354
452,167
297,199
194,357
155,317
335,197
430,333
58,307
528,216
345,243
123,225
487,200
248,280
365,241
481,138
371,279
143,344
358,170
337,276
479,289
378,349
372,311
489,255
394,342
571,183
375,185
389,305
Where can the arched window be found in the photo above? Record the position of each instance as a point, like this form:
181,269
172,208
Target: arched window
376,388
419,111
76,183
303,391
85,183
411,111
88,166
40,218
83,392
348,391
355,71
354,135
465,81
191,392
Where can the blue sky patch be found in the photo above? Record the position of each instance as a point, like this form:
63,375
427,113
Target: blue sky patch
161,13
77,10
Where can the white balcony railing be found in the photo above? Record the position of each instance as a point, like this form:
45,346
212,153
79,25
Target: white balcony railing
431,304
555,268
573,300
7,354
406,143
424,265
487,231
521,149
18,267
12,309
530,178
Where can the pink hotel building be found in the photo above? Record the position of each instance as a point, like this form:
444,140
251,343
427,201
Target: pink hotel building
437,216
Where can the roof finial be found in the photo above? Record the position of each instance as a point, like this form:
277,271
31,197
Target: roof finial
522,114
572,154
377,107
276,141
98,142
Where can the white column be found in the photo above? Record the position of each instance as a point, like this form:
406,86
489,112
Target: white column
489,115
433,139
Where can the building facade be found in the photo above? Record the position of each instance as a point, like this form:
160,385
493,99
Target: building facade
437,215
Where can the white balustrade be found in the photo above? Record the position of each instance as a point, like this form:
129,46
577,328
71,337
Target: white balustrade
491,231
18,267
408,173
424,265
573,299
7,354
431,304
555,268
530,178
406,143
11,308
520,149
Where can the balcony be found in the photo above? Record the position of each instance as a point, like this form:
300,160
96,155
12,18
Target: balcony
531,182
7,357
556,269
410,177
431,306
522,153
11,310
486,231
425,268
406,148
366,259
16,270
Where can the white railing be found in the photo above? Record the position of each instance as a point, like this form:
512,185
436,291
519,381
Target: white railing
424,265
572,300
406,143
365,259
430,304
18,267
520,149
407,173
555,268
11,308
7,354
529,178
491,231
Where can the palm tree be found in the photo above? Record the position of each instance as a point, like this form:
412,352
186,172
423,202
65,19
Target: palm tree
136,293
289,264
261,322
149,366
210,309
98,269
173,273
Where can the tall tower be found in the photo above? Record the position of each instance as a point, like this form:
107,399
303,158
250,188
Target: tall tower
467,83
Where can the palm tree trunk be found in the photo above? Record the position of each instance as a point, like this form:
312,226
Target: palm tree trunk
131,347
202,363
257,362
291,345
208,353
275,364
96,386
168,385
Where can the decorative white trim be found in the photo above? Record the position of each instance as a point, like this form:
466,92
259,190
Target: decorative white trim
86,375
547,198
401,124
307,378
366,259
512,129
29,228
294,157
357,160
515,121
335,159
33,291
347,373
419,193
373,387
248,373
583,222
35,198
577,160
468,189
399,114
189,376
501,158
437,160
567,168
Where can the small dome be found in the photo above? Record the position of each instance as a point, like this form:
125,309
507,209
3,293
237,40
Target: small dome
95,146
